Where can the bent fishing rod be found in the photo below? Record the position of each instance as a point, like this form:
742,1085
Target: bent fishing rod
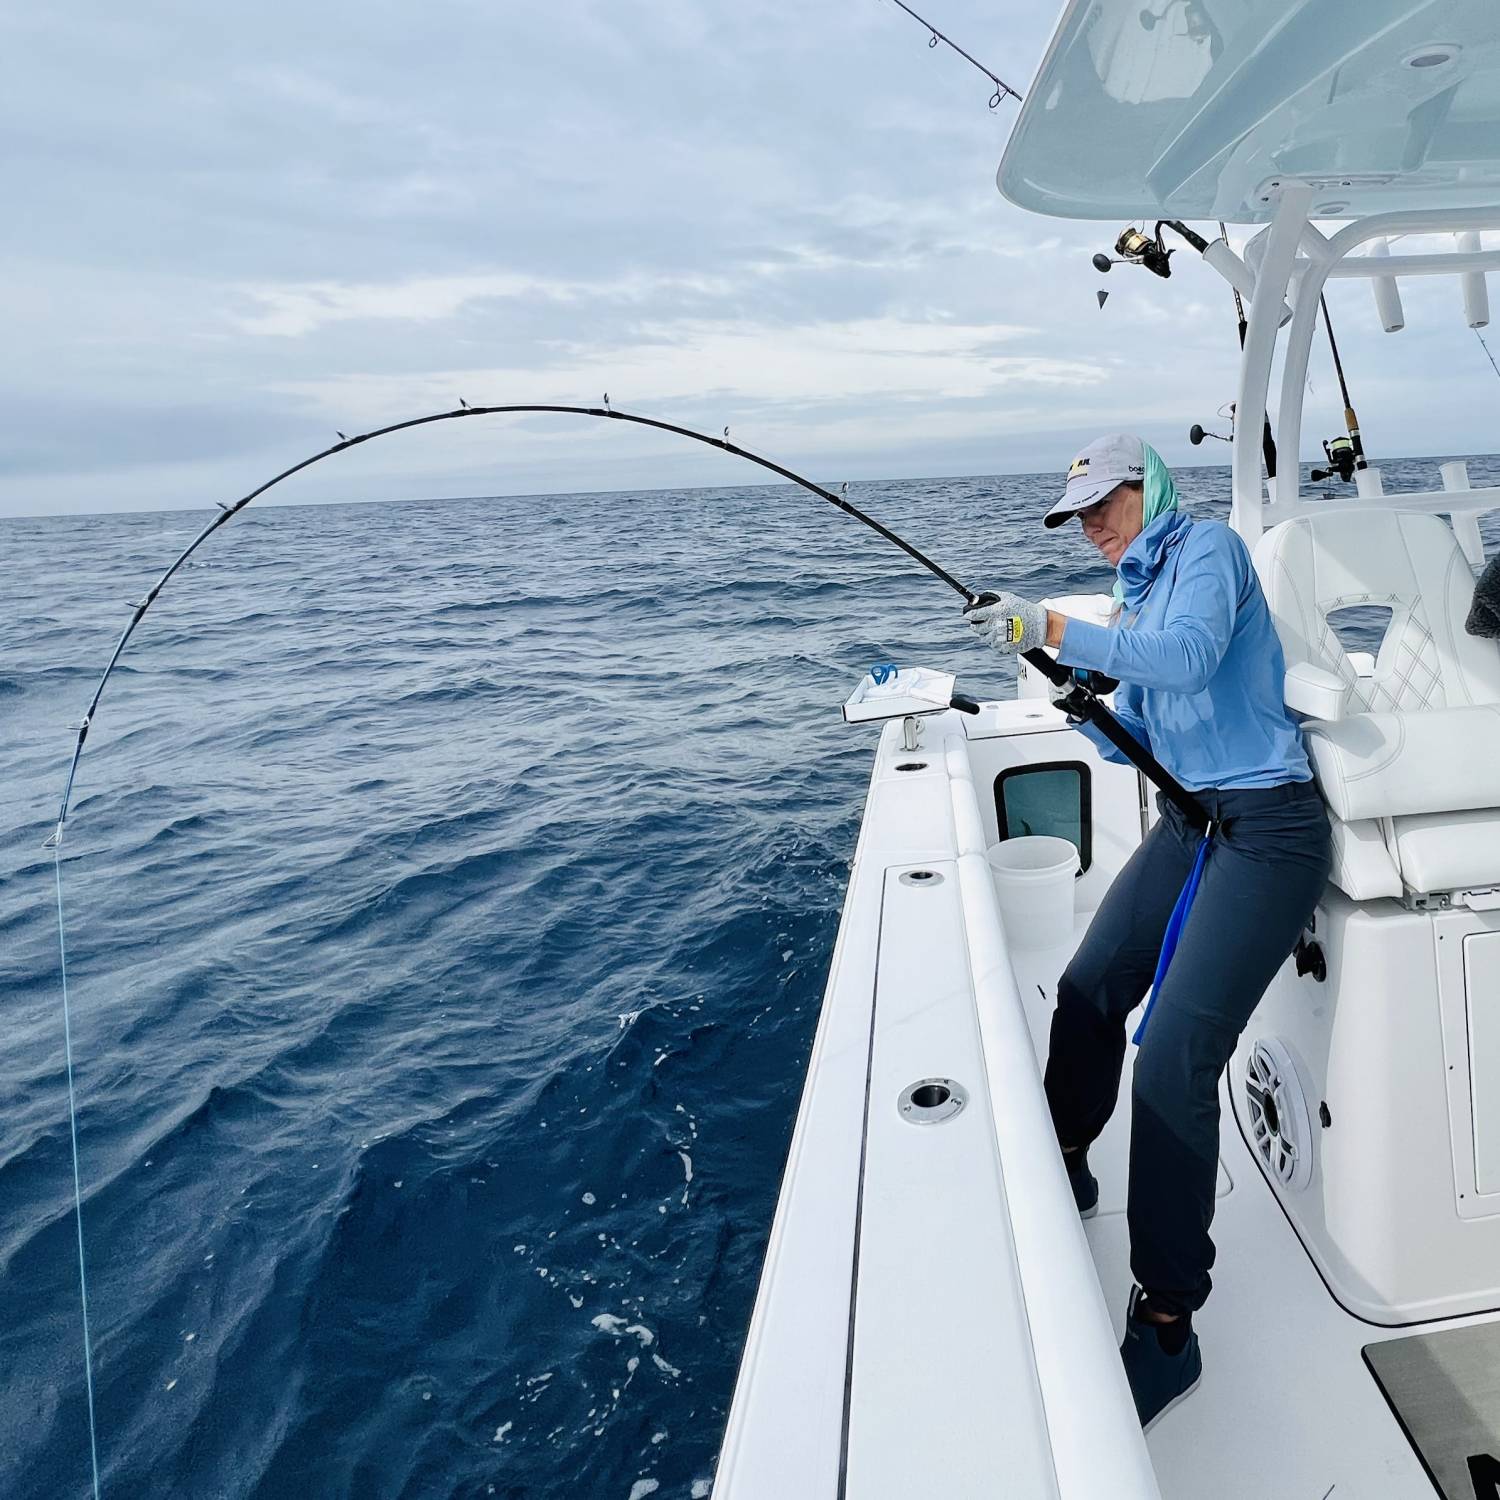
1082,700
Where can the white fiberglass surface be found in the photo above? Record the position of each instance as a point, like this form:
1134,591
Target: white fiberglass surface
1287,1406
1198,108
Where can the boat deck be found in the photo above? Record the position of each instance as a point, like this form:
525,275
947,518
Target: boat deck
1288,1406
931,1311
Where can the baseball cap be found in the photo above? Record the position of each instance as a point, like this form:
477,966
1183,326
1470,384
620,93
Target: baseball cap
1117,458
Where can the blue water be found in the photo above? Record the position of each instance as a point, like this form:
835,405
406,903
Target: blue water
450,891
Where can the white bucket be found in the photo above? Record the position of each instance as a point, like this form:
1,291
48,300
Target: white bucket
1034,883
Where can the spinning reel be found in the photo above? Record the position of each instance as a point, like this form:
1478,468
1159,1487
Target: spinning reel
1197,432
1137,248
1343,459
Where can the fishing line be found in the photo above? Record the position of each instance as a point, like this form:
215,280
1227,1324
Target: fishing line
1002,89
1082,701
1478,335
83,1281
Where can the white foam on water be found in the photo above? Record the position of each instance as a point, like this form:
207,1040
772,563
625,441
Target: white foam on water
588,1198
658,1437
608,1323
643,1487
501,1430
643,1333
663,1366
576,1301
701,1488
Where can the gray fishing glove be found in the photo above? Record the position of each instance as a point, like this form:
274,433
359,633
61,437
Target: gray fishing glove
1010,624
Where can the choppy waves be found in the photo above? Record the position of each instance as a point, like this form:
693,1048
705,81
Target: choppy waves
449,903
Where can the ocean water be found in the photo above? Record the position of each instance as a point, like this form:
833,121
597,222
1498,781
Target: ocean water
450,889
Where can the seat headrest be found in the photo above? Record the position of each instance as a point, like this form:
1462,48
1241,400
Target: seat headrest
1406,561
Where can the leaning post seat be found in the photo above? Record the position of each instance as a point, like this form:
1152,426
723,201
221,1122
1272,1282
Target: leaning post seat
1407,756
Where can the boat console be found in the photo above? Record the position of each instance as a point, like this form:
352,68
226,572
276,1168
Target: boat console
1395,1045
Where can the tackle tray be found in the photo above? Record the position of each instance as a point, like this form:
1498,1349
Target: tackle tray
905,692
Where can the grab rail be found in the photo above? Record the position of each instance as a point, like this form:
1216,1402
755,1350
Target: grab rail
1095,1436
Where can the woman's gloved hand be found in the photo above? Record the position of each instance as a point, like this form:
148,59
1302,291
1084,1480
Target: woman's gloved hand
1010,624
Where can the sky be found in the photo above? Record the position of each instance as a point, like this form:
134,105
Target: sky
234,231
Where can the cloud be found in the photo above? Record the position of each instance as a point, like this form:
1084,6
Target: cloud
292,310
721,362
229,241
296,310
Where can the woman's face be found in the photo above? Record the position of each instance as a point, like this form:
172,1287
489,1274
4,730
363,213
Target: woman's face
1114,522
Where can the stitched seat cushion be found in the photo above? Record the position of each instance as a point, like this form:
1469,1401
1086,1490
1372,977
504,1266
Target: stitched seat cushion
1391,765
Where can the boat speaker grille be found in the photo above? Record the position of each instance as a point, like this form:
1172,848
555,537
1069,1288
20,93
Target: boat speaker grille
1280,1121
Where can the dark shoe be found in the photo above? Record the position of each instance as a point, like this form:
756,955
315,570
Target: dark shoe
1158,1379
1085,1186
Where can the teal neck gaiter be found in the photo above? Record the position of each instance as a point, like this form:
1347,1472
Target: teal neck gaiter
1158,496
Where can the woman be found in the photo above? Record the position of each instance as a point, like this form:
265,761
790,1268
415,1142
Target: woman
1200,670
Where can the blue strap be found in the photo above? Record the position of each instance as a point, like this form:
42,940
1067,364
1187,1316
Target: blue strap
883,671
1175,924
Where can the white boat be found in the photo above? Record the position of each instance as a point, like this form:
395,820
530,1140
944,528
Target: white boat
933,1318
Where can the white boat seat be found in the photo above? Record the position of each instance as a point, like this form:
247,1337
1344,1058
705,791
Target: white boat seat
1448,852
1387,765
1407,755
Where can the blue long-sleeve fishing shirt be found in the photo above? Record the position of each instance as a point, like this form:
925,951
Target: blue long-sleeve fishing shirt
1198,660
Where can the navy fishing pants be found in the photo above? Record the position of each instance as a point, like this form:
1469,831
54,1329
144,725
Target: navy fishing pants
1264,874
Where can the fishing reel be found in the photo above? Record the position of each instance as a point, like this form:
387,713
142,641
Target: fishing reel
1342,460
1197,432
1137,248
